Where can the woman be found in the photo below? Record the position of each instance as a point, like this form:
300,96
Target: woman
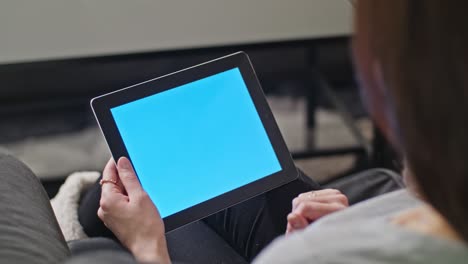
411,59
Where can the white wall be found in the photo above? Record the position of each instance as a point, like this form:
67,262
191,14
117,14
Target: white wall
47,29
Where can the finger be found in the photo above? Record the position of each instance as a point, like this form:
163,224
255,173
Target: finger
332,198
289,228
312,194
101,214
296,222
115,175
314,210
320,193
110,173
128,177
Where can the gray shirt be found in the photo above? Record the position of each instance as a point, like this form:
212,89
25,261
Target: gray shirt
363,234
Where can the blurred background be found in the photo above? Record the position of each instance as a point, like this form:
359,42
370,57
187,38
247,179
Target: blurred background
56,55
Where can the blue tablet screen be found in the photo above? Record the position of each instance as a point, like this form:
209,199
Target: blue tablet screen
196,141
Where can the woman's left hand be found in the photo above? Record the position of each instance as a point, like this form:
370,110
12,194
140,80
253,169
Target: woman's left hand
127,210
310,206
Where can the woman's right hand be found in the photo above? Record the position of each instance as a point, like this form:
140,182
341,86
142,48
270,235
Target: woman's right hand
310,206
127,210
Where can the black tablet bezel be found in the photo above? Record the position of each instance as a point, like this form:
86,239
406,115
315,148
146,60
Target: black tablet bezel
101,106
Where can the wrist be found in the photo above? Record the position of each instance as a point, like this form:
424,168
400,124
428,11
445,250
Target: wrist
152,252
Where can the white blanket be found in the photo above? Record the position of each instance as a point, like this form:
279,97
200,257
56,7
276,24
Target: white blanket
65,203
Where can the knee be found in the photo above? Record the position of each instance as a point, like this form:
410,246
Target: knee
4,153
12,169
383,174
8,160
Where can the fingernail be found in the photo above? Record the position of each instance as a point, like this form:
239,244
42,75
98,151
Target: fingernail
295,224
124,163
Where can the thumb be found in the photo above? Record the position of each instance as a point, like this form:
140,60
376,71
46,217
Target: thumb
296,221
128,177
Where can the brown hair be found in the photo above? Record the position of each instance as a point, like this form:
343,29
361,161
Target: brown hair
422,46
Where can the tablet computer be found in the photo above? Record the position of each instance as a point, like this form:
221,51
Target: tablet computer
200,140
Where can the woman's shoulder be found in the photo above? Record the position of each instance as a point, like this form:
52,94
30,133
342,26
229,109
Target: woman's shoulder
358,236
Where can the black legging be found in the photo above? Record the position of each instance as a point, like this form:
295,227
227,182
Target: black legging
248,227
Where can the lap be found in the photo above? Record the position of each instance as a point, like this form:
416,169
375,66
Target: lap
250,226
